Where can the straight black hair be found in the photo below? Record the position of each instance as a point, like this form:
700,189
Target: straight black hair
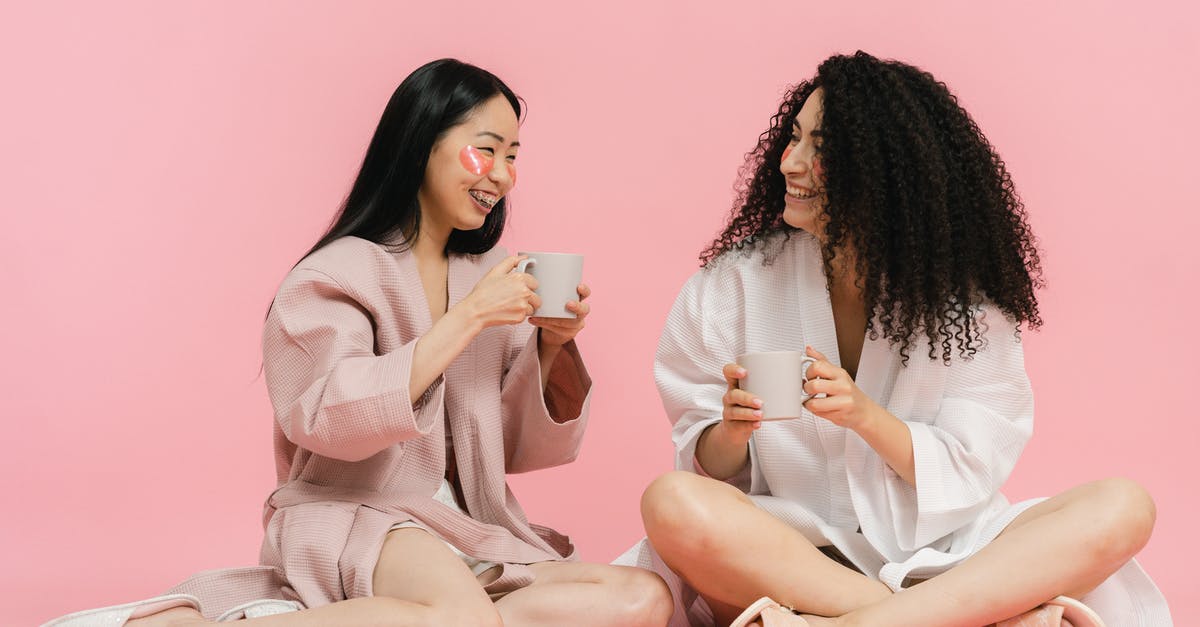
383,201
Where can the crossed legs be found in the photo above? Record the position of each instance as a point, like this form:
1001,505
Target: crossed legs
731,552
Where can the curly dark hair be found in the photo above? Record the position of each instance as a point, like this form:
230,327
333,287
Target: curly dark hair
913,187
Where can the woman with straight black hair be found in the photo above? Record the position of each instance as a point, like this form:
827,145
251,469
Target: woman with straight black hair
405,386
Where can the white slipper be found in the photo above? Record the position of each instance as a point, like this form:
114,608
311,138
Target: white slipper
258,609
1079,614
755,611
117,615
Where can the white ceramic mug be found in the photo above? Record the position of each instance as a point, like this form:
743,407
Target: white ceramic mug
558,275
778,378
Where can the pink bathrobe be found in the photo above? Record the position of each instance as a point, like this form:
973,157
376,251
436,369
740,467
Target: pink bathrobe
355,454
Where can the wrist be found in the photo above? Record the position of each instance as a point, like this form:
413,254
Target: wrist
465,319
871,421
728,437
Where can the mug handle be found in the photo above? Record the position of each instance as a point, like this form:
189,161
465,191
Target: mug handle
805,362
524,263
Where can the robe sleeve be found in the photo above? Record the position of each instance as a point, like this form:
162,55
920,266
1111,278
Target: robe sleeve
965,452
542,430
331,392
692,351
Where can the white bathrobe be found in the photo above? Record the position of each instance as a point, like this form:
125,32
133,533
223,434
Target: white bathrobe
969,423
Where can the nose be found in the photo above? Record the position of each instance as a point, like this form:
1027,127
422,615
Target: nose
797,160
504,174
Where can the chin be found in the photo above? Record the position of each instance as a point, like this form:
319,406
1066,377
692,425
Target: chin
805,221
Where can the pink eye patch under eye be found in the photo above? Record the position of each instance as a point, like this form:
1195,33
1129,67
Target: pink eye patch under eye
475,161
786,151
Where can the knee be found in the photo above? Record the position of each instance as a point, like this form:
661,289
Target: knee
1125,514
678,511
644,598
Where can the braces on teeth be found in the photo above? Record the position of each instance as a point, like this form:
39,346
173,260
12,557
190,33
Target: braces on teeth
484,199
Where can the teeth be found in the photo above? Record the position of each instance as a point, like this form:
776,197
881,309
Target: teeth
487,200
796,192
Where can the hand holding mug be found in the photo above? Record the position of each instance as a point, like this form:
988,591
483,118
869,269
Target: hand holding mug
843,404
561,291
559,331
742,413
503,296
777,379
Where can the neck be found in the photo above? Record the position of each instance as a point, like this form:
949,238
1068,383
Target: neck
431,240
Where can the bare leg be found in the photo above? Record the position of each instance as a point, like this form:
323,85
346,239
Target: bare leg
442,591
732,552
588,595
365,612
441,585
1066,545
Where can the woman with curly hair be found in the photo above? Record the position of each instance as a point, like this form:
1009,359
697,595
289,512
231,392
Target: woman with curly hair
880,232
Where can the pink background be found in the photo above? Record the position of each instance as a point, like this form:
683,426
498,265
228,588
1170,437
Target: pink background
164,164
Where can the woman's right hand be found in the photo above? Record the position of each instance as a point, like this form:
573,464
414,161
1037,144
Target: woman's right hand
503,296
743,411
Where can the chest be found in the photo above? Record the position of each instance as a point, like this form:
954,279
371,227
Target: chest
850,323
434,281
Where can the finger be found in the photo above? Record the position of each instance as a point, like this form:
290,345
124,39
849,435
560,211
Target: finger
828,387
742,414
584,291
824,370
528,280
742,398
812,352
732,373
506,265
742,426
827,405
534,299
579,309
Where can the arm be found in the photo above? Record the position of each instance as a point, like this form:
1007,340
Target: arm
691,358
963,448
544,408
332,393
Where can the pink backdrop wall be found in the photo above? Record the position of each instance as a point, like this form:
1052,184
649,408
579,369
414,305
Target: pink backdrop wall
164,164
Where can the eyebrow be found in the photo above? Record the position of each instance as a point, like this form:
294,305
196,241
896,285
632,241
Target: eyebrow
499,138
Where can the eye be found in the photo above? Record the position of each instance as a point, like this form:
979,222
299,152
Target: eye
489,151
511,158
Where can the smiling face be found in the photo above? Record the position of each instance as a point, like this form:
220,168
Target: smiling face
471,167
804,203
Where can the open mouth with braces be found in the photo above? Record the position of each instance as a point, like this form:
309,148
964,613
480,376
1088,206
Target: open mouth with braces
485,200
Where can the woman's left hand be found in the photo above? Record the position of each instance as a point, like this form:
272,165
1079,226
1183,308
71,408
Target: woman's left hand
559,331
844,403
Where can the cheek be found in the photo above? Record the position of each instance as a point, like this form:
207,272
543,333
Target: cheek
474,161
818,169
512,173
